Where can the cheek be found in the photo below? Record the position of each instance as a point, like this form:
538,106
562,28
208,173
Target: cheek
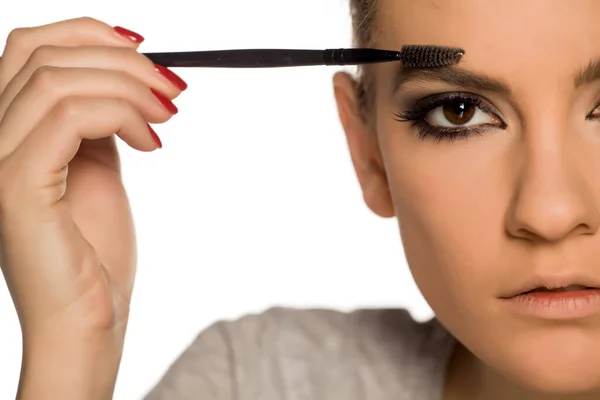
451,201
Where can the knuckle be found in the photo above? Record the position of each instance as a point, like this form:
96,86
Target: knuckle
45,78
43,55
16,37
67,109
86,22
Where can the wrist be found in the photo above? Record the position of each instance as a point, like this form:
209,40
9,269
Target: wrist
70,366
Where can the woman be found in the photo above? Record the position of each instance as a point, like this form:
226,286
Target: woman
492,169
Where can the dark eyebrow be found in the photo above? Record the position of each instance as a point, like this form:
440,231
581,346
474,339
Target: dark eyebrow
589,74
475,81
451,75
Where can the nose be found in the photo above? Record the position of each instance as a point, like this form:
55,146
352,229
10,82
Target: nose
554,196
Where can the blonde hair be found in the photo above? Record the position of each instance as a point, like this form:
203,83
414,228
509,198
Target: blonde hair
363,14
363,20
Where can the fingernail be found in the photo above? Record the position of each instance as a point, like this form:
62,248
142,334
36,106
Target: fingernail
168,104
171,77
155,137
130,35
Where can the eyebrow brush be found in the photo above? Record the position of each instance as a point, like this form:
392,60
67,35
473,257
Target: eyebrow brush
411,56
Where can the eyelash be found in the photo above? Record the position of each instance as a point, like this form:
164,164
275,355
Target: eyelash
417,116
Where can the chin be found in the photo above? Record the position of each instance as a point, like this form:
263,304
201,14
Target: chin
555,362
565,379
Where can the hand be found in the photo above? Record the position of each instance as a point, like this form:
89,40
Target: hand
67,242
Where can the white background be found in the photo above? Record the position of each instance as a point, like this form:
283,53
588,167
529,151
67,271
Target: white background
252,202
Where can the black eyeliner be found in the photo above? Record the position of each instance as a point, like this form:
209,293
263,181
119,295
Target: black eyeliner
429,103
596,108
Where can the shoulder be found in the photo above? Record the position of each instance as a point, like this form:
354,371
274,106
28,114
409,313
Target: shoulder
334,331
308,351
330,329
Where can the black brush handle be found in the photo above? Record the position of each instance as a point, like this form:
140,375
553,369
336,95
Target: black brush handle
272,58
413,56
260,58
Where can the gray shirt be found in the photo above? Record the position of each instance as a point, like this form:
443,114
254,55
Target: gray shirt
290,354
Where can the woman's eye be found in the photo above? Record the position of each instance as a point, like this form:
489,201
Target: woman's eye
450,116
459,113
594,115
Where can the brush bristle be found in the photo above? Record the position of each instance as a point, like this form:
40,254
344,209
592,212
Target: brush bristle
429,56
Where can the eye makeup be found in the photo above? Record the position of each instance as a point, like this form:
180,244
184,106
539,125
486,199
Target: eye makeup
594,114
451,116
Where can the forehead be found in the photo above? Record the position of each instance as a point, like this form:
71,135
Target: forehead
533,39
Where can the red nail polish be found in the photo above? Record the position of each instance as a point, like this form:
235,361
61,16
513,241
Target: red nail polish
127,34
171,77
155,137
168,104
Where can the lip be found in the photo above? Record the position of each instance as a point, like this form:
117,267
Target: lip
556,305
553,282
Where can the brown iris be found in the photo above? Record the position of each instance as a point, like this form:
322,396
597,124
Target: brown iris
459,112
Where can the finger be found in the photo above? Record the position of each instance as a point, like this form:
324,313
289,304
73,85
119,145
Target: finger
113,58
54,142
76,32
50,85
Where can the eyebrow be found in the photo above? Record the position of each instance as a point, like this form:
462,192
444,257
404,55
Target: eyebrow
589,74
453,76
476,81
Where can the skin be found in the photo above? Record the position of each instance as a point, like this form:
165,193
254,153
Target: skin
67,242
479,217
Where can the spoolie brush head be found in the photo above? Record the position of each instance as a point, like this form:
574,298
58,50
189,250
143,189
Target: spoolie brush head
429,56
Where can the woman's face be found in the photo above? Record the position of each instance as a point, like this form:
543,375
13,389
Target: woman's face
496,184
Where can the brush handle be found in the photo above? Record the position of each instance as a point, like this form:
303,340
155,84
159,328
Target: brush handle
272,58
411,56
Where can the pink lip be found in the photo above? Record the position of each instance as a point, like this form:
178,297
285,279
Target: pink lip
560,305
557,305
553,282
